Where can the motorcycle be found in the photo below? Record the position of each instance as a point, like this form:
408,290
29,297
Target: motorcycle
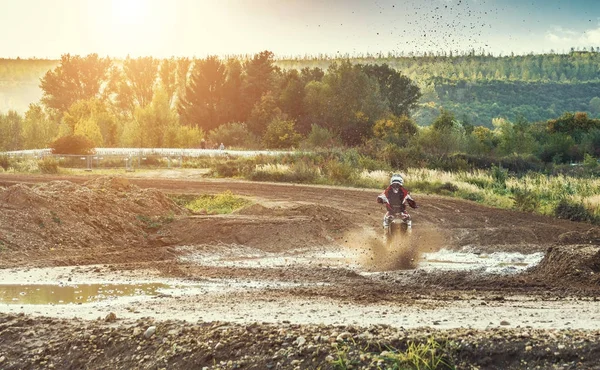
398,221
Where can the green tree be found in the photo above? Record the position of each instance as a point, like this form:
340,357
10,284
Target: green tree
11,125
316,101
595,105
259,79
38,131
168,78
232,106
200,107
92,118
153,126
444,121
281,133
401,93
320,137
139,78
353,102
292,95
483,141
265,111
396,130
76,78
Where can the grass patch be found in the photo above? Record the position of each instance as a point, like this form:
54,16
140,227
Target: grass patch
428,355
223,203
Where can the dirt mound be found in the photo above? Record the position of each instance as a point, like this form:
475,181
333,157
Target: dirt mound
63,215
573,265
272,227
592,236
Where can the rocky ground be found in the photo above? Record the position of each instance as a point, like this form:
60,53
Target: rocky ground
301,279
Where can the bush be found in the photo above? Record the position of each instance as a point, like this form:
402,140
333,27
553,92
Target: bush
233,135
48,165
72,144
320,137
233,167
5,162
500,175
568,210
281,134
340,173
525,200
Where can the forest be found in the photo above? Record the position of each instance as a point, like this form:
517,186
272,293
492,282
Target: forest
404,109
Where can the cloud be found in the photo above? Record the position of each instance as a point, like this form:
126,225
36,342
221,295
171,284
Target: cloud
567,37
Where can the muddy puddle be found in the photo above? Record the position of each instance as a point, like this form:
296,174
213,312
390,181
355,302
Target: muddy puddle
73,294
133,295
442,260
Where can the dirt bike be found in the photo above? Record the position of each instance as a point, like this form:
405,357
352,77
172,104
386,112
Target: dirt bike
400,223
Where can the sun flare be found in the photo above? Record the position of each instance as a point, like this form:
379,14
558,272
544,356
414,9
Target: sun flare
128,12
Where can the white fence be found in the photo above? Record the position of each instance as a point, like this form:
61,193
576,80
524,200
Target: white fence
165,152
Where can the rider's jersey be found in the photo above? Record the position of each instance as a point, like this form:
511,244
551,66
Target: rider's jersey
396,200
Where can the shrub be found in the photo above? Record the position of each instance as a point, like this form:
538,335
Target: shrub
500,175
72,144
5,162
281,134
48,165
233,167
568,210
525,200
320,137
233,135
340,173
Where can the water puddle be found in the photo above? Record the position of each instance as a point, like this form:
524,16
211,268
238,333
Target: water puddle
32,294
443,260
498,262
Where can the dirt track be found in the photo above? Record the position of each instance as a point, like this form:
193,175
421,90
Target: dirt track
302,255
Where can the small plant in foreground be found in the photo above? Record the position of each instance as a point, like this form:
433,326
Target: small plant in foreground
342,360
429,355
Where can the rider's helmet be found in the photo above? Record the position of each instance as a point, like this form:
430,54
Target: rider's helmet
396,182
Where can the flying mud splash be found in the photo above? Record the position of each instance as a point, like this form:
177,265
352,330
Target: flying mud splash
376,253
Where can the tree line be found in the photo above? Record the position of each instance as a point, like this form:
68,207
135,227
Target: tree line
474,85
255,103
147,102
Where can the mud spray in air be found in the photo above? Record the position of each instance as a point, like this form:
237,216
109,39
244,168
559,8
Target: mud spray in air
403,252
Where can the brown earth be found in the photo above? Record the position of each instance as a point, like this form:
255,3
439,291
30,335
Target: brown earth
130,224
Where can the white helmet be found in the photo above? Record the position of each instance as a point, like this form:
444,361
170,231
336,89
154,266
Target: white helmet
396,182
396,179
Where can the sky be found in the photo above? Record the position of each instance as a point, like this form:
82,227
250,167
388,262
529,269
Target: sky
198,28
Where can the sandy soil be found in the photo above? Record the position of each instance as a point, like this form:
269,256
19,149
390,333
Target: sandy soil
497,289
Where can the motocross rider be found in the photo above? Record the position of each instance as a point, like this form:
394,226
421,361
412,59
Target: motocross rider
395,197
